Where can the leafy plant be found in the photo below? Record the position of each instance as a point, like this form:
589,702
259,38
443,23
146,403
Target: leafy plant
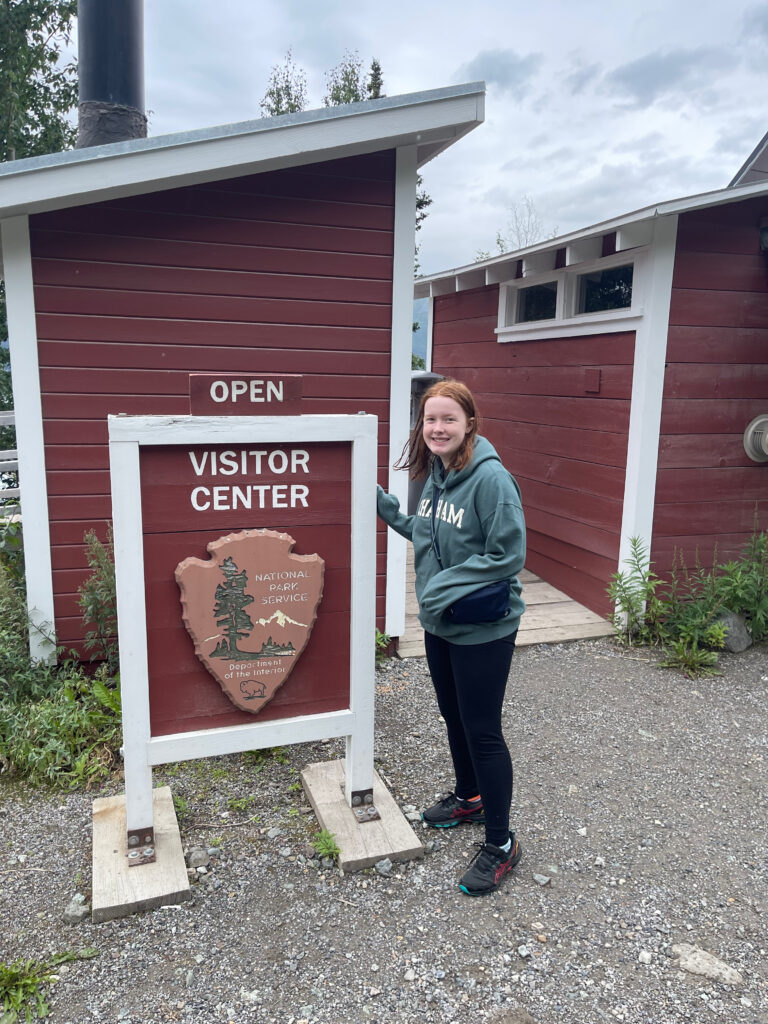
685,613
258,759
633,593
69,737
240,803
12,550
383,640
23,984
743,585
325,844
180,806
691,659
19,678
98,600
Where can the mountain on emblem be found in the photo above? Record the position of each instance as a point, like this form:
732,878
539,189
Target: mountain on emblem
249,610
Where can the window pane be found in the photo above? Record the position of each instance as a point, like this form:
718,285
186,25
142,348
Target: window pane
537,302
605,289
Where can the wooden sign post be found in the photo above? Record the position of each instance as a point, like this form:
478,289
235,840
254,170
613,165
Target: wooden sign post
245,567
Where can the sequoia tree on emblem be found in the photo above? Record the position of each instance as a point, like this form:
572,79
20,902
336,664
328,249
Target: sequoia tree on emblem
249,610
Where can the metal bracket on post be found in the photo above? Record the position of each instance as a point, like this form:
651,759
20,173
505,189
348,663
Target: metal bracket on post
362,806
141,846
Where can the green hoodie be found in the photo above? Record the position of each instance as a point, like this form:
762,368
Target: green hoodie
480,533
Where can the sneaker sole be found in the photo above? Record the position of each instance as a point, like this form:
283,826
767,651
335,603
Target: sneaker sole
484,892
457,821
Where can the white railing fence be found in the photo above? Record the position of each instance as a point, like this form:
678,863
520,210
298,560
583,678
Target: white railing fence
9,463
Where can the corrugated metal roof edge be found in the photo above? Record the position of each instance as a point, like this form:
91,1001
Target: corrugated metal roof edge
718,197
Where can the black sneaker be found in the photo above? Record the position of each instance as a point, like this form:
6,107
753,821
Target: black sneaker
488,867
452,811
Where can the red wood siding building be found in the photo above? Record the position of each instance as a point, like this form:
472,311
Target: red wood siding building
618,431
288,272
708,491
282,246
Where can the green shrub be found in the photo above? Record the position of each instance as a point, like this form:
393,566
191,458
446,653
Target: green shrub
23,985
57,725
12,549
637,609
68,738
19,678
743,585
383,641
325,844
683,615
98,601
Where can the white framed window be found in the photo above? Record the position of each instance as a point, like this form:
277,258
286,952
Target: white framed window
598,295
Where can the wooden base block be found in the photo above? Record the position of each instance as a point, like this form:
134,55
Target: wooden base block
362,844
120,890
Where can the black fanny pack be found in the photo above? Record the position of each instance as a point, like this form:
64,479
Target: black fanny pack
488,603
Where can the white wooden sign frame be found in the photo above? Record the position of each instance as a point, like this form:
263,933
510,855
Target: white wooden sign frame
141,751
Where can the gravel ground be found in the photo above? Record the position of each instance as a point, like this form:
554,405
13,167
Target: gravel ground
640,805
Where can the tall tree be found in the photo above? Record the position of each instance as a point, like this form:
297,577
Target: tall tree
287,89
375,82
524,227
37,91
345,83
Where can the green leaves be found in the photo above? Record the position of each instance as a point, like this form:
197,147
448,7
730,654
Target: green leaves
325,844
38,88
98,600
682,614
23,985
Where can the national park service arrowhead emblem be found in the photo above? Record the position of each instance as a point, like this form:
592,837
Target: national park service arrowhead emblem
250,609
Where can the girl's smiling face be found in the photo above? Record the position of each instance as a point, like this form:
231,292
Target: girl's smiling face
445,427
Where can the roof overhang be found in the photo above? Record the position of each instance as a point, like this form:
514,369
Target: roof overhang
632,230
755,167
430,121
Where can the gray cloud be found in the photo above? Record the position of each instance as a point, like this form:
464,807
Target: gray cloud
741,137
618,188
502,68
578,79
756,22
643,81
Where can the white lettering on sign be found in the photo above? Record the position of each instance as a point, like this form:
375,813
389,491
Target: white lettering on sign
229,499
256,391
249,463
253,461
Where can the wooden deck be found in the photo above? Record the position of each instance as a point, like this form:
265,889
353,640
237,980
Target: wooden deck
550,616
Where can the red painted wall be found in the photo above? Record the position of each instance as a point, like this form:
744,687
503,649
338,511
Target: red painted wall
284,272
565,444
716,381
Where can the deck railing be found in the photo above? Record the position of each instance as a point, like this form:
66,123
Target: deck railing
9,463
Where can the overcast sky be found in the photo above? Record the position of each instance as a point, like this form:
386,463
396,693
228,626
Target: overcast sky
593,109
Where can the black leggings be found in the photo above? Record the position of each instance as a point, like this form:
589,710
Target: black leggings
470,681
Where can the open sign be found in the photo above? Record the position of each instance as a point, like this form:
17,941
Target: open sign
241,395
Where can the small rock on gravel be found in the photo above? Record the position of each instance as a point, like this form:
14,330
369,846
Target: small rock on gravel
699,961
77,910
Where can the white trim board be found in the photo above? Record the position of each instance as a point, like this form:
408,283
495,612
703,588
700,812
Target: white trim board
635,227
22,334
429,121
647,390
400,375
126,436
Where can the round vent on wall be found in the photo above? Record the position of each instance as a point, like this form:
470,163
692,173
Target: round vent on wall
756,439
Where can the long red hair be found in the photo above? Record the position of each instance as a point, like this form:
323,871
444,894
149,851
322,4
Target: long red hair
416,456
